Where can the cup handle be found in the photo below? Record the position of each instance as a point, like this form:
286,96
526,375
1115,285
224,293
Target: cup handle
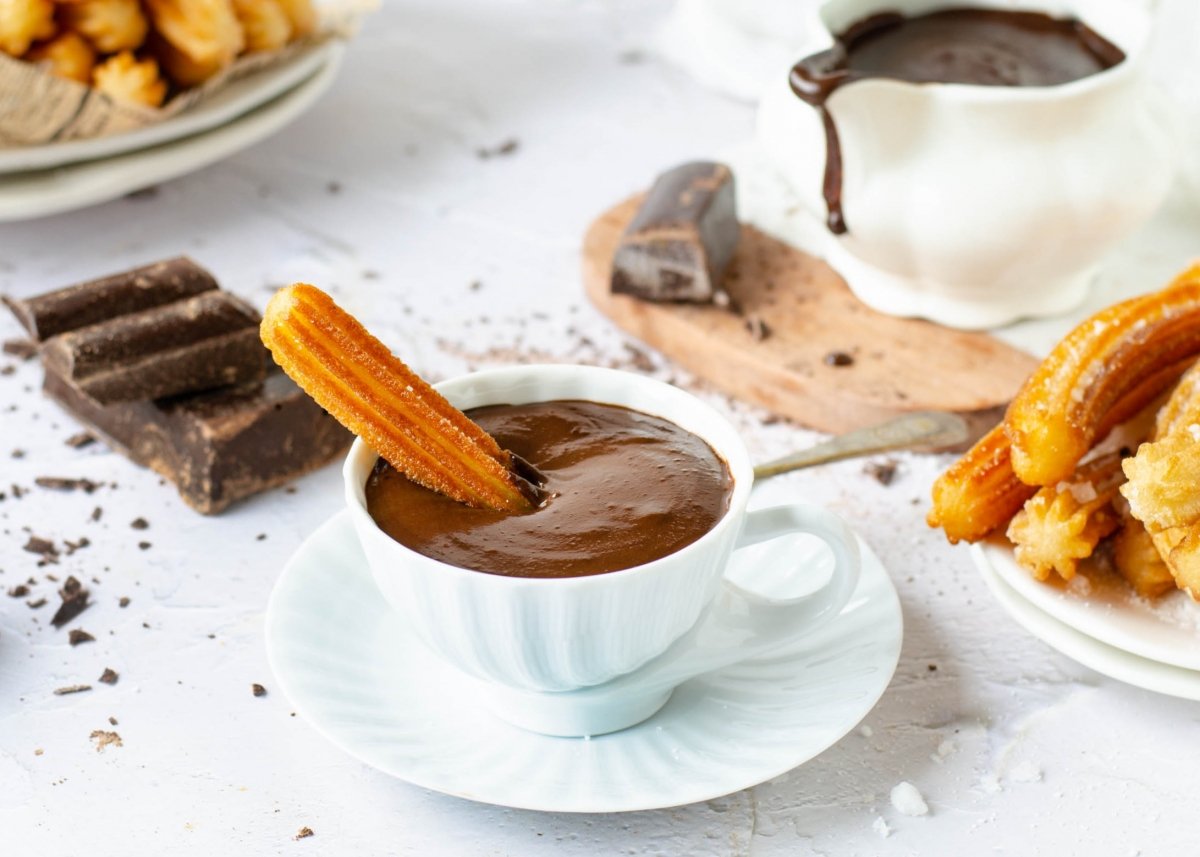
739,624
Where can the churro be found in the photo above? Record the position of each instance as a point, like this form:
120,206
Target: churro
365,387
1138,560
1056,417
1062,524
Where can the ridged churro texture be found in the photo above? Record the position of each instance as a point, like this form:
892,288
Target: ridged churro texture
1056,417
366,388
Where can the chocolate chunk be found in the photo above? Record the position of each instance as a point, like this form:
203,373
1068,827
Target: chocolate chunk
109,676
21,348
196,344
74,601
220,446
38,545
682,238
78,635
87,303
258,689
139,524
18,591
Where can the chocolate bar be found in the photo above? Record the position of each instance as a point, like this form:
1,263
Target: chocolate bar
679,243
87,303
196,344
220,446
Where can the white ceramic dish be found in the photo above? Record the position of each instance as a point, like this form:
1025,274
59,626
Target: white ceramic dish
1107,660
24,196
1166,630
237,98
355,671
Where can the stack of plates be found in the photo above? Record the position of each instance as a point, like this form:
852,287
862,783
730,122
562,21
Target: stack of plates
1102,624
40,180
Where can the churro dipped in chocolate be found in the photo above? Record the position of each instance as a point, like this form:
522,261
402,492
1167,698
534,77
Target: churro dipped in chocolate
367,389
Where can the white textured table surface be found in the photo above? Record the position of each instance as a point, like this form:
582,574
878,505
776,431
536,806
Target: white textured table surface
379,195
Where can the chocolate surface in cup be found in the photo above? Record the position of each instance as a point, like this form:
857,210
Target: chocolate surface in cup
981,47
625,488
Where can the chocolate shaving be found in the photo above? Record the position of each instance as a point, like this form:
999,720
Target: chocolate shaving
71,688
74,601
24,349
60,483
109,676
78,635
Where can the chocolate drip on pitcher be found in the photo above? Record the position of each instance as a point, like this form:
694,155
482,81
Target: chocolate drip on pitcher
981,47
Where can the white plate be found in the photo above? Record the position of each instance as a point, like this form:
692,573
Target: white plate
239,97
1107,660
1102,606
24,196
355,672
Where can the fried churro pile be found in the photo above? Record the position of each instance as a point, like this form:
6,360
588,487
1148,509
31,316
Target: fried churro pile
1040,474
136,50
353,376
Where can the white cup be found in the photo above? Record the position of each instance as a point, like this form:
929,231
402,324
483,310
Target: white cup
589,655
974,206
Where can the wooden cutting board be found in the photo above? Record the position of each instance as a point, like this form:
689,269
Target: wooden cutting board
899,365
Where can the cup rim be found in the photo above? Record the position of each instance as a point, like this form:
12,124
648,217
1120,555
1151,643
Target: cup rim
1133,47
361,459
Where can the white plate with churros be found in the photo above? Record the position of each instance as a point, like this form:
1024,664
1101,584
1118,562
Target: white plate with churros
1085,500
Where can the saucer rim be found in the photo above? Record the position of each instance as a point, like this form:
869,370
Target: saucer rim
341,519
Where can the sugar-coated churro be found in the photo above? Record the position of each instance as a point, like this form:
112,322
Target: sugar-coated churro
1139,561
360,382
1056,417
1062,524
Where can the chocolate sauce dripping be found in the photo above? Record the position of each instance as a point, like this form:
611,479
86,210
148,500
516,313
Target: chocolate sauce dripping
815,78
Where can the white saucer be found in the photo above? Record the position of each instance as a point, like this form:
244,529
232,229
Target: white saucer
355,672
1166,630
231,101
24,196
1107,660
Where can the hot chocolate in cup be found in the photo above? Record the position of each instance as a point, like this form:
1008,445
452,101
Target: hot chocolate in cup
591,654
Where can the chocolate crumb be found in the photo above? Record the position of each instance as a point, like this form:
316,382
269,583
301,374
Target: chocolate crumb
80,440
105,739
36,605
838,358
59,483
18,453
143,545
261,537
18,591
932,668
74,601
38,751
96,513
71,688
124,602
506,148
112,721
258,689
303,833
109,676
640,359
139,524
148,192
333,188
44,547
8,369
23,348
77,545
757,328
883,472
78,635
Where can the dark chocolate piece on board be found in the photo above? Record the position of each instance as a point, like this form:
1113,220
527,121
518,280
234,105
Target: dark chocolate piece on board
77,306
682,238
195,344
220,446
